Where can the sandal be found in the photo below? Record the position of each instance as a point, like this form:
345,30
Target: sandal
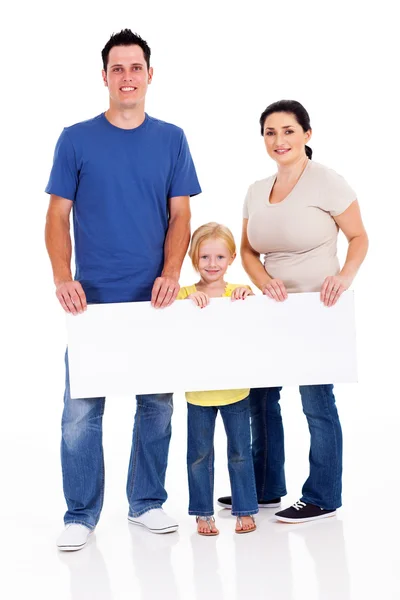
239,520
210,522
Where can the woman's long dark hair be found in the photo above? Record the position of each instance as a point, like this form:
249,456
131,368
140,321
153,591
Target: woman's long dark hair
289,106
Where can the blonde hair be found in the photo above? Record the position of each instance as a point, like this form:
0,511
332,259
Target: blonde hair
213,231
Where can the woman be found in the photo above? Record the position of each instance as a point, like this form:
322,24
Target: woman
293,218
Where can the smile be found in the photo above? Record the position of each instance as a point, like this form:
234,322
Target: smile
282,151
127,89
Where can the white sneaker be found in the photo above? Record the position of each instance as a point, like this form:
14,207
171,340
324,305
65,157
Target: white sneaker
74,537
156,521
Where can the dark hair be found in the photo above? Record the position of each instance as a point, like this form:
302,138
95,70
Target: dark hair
125,38
289,106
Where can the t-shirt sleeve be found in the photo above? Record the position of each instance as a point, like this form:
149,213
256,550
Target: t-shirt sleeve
246,204
182,294
64,173
336,194
184,180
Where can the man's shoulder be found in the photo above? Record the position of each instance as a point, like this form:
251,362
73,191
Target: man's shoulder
84,126
164,126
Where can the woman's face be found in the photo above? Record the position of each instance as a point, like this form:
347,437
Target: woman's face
284,138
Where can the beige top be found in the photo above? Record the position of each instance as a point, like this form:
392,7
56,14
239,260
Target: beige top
298,236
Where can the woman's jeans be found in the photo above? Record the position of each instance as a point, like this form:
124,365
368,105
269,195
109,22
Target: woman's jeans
82,455
200,458
324,484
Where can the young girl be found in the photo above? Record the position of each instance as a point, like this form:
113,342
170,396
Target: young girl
212,250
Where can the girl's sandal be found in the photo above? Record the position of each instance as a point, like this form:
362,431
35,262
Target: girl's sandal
210,522
240,522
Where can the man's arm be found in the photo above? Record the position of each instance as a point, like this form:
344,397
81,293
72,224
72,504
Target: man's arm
58,243
166,287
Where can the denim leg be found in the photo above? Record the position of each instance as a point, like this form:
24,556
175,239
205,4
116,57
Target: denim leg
236,418
324,484
267,442
82,457
149,454
200,459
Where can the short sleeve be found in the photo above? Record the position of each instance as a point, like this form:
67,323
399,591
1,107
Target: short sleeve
246,204
182,294
184,180
336,194
64,173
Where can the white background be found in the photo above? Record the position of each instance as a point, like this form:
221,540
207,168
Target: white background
216,67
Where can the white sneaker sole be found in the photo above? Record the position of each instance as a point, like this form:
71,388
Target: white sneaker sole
306,520
169,529
74,548
229,506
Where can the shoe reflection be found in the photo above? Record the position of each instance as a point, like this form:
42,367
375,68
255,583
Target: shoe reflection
88,573
206,578
151,555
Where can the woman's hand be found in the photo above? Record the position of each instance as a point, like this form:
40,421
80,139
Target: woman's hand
200,299
275,289
333,287
240,293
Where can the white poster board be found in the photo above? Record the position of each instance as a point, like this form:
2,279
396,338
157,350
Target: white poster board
133,348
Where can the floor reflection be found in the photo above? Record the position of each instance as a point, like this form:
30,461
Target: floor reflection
88,573
151,555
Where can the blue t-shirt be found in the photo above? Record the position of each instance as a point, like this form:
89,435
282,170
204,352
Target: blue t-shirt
120,181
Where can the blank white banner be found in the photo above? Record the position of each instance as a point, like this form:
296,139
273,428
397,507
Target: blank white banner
132,348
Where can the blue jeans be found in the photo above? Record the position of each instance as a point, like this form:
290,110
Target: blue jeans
82,455
200,458
324,484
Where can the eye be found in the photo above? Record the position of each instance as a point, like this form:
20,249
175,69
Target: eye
116,69
204,257
220,256
289,131
269,133
138,68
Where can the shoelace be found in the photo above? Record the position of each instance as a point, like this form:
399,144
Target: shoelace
299,505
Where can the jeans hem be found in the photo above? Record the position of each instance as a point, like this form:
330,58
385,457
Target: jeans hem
139,513
311,501
201,513
244,513
91,527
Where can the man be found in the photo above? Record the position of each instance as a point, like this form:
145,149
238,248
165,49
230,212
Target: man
128,178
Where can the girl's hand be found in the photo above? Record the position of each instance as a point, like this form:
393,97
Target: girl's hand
200,299
240,293
333,287
275,289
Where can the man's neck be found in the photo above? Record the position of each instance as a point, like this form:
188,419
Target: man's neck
128,118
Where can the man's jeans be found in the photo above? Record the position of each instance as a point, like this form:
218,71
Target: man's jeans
324,484
200,458
82,455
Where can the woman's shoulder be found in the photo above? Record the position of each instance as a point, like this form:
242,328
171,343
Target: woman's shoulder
325,173
263,183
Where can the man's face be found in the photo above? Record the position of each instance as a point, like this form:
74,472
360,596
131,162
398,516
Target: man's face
127,76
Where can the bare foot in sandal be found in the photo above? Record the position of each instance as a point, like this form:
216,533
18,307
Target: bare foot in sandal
245,524
206,526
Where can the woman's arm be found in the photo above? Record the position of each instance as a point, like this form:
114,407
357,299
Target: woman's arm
350,222
274,288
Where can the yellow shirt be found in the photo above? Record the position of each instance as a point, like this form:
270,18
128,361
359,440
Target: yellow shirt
214,397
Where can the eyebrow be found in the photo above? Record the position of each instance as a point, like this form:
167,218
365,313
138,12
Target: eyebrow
136,64
283,127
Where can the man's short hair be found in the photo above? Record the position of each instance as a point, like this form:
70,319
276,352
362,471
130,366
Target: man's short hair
125,38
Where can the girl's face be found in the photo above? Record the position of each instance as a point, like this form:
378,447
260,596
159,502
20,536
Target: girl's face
284,138
214,259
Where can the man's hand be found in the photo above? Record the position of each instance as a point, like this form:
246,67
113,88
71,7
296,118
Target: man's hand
71,296
165,290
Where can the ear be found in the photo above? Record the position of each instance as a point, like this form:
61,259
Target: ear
232,258
150,75
308,135
104,75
